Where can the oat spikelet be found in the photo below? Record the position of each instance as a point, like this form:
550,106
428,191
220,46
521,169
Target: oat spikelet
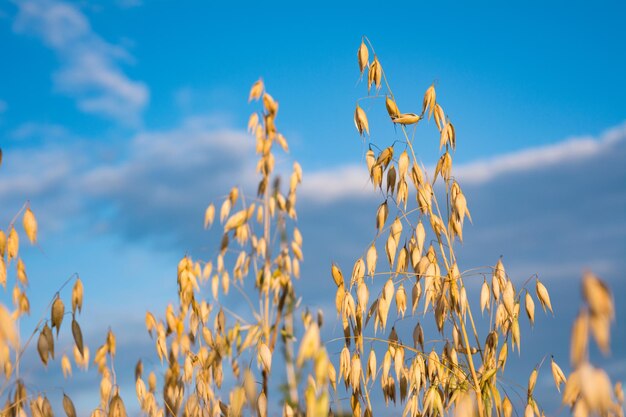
430,98
392,107
265,357
337,275
362,56
66,366
543,296
209,215
580,331
30,225
598,296
56,315
77,296
371,259
13,244
360,121
42,348
78,336
68,406
406,118
530,308
256,91
557,374
484,297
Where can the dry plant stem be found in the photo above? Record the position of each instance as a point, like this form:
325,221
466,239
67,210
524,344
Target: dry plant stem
289,359
266,265
279,315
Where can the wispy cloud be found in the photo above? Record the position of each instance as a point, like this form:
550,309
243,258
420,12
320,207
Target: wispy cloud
90,66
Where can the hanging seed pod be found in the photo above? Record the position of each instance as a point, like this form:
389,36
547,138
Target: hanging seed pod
68,406
360,121
209,215
265,357
406,118
262,405
47,333
42,348
557,374
110,343
374,75
30,225
430,98
371,259
13,244
337,275
530,308
381,216
78,336
579,339
543,296
385,157
598,296
256,90
66,366
392,107
358,272
77,296
116,407
391,180
362,56
439,117
56,315
484,297
371,365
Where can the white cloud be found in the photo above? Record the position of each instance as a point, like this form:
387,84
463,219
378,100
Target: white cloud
352,180
525,160
90,67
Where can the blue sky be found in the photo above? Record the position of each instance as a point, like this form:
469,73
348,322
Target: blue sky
121,120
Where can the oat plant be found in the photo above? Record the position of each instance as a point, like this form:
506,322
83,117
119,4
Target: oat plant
409,273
